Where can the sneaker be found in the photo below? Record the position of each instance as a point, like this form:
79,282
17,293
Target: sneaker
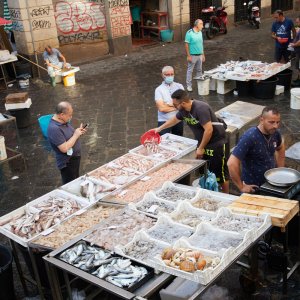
189,89
201,77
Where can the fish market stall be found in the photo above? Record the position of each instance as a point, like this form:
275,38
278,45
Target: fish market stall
131,247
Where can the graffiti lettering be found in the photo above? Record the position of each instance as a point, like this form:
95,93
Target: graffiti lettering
121,31
41,11
120,21
115,3
40,24
17,26
119,10
15,13
79,16
80,37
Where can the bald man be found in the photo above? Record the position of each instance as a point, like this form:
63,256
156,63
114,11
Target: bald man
64,140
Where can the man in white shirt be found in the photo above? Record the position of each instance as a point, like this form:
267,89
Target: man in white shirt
164,102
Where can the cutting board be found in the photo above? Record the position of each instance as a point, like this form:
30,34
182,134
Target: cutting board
281,210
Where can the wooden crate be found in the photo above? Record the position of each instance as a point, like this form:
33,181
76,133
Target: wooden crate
281,210
16,98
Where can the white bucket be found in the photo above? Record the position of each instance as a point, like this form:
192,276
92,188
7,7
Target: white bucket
295,98
3,154
203,87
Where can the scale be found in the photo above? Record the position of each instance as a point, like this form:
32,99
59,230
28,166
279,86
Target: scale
287,192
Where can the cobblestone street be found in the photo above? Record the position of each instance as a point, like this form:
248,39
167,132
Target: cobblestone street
116,97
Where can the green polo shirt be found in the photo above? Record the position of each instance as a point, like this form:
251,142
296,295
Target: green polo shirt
195,41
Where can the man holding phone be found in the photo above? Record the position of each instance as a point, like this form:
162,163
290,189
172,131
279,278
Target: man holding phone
64,140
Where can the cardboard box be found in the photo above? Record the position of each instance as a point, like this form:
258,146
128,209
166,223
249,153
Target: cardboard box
16,98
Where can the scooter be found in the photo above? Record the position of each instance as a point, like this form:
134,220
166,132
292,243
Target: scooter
253,13
216,20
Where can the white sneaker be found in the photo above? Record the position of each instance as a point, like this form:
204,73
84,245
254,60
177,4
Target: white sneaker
201,77
189,89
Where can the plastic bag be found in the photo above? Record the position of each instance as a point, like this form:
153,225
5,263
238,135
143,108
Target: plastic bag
210,183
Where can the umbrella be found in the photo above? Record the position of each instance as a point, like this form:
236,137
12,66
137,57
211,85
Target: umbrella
4,22
6,15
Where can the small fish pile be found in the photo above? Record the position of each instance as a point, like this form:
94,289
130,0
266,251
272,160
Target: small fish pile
214,241
143,250
169,233
160,153
112,175
175,144
155,206
175,194
134,162
41,216
190,218
151,145
76,225
207,204
188,260
119,229
237,224
138,189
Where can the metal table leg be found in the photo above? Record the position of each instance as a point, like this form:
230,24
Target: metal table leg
53,279
68,286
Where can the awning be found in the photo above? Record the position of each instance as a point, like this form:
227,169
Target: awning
6,15
4,22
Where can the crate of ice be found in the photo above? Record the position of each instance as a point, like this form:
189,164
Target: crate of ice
188,215
153,206
169,191
181,144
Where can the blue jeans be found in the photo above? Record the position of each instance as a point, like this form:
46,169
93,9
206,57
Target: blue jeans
282,52
177,129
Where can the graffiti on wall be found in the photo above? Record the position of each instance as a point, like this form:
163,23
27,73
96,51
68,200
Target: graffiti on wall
120,18
81,37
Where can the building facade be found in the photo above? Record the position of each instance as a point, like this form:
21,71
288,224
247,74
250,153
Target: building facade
117,23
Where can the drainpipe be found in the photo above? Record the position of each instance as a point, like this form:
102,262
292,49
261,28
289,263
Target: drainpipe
180,16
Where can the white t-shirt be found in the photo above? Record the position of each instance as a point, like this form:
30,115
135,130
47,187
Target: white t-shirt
164,92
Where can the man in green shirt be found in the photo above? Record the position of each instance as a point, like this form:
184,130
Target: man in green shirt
194,51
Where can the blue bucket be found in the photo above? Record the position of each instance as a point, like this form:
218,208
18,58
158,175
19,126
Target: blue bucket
167,35
44,123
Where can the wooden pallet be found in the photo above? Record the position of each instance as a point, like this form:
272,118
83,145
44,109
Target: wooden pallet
281,210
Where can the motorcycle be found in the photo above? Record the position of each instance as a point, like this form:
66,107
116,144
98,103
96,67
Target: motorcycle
216,20
253,13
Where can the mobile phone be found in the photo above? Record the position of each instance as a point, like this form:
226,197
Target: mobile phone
85,125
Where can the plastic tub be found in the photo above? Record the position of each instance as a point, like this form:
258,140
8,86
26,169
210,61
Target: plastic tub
265,89
22,117
295,98
167,35
6,274
244,88
44,123
285,78
203,87
69,80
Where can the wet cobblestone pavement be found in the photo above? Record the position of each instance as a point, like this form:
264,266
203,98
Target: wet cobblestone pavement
115,96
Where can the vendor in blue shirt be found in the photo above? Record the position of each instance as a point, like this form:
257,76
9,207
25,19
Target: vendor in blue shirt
260,148
281,33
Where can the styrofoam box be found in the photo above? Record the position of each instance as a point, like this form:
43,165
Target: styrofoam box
205,276
185,206
224,87
70,71
279,89
170,184
11,106
150,196
156,156
169,140
74,187
23,241
213,84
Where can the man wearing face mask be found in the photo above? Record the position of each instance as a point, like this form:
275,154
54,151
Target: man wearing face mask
164,102
64,140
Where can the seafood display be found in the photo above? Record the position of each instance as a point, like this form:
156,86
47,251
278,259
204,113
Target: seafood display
119,229
173,193
41,216
169,233
115,176
136,191
188,260
171,141
236,223
76,225
156,152
154,205
133,162
214,241
207,204
118,271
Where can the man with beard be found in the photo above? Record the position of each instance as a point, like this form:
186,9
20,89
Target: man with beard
260,148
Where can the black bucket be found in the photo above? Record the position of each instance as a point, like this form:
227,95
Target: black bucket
22,116
6,274
244,88
285,78
23,67
265,89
